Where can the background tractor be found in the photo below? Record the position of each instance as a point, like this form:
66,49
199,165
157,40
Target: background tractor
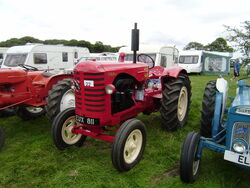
224,130
27,89
108,94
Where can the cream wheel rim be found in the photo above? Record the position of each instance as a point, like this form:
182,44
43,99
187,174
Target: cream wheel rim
196,164
182,103
67,135
133,146
68,100
34,110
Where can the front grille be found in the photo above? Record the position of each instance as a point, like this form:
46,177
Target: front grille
94,97
241,130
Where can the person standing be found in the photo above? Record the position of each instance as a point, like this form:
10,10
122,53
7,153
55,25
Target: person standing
236,68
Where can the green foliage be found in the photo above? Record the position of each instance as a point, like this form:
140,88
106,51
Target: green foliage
241,37
29,158
219,45
194,45
94,48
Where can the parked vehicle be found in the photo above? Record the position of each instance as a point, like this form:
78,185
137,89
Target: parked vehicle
105,56
27,89
109,94
2,53
205,62
53,58
224,130
165,56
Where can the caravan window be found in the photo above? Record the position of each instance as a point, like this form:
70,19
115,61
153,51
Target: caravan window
163,61
76,55
13,60
188,59
129,57
40,58
65,57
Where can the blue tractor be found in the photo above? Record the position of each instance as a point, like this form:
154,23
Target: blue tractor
224,130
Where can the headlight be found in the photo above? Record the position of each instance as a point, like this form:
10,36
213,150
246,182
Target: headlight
243,110
239,147
110,89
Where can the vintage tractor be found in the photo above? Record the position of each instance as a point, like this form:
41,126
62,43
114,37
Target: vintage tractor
109,94
27,89
228,134
2,138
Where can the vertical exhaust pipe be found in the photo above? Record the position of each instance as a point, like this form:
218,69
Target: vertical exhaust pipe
135,42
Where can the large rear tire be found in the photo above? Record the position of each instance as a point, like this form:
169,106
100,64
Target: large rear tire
189,164
175,104
61,130
129,145
2,138
60,97
208,108
29,112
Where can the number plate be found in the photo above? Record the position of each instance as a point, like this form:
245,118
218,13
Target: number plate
243,159
89,83
87,120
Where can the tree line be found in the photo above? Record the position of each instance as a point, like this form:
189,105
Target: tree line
98,47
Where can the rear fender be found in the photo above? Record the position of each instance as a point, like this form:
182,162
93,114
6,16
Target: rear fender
172,72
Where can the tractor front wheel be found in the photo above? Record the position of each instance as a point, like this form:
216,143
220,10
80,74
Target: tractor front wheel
61,130
208,108
175,104
60,97
29,112
189,164
2,138
129,145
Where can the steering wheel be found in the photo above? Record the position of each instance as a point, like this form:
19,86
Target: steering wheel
28,67
146,59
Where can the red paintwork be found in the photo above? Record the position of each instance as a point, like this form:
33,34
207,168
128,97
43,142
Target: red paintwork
25,87
93,102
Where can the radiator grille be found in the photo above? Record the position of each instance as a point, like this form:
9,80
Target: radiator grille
241,131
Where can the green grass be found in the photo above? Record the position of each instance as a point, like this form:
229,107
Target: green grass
29,158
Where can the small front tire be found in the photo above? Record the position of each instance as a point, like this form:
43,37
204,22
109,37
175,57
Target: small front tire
189,164
29,112
62,130
129,145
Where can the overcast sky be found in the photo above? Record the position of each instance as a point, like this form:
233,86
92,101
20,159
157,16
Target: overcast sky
164,22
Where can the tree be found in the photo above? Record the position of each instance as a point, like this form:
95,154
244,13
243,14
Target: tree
194,45
219,45
241,38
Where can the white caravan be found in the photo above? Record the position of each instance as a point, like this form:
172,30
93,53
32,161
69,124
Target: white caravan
54,58
191,60
197,61
2,54
165,56
104,56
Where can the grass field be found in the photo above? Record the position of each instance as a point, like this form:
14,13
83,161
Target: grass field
29,158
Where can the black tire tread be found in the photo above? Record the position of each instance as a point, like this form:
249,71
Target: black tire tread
2,138
54,96
169,101
207,109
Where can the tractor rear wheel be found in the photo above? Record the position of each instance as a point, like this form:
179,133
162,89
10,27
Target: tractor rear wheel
189,164
61,130
60,97
2,138
29,112
175,103
207,109
129,145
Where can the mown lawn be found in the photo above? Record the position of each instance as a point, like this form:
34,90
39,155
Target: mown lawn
29,158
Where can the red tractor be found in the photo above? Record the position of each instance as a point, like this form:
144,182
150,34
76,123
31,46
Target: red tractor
109,94
27,89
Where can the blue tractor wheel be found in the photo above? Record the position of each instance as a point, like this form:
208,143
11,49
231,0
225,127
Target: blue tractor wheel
189,164
208,108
